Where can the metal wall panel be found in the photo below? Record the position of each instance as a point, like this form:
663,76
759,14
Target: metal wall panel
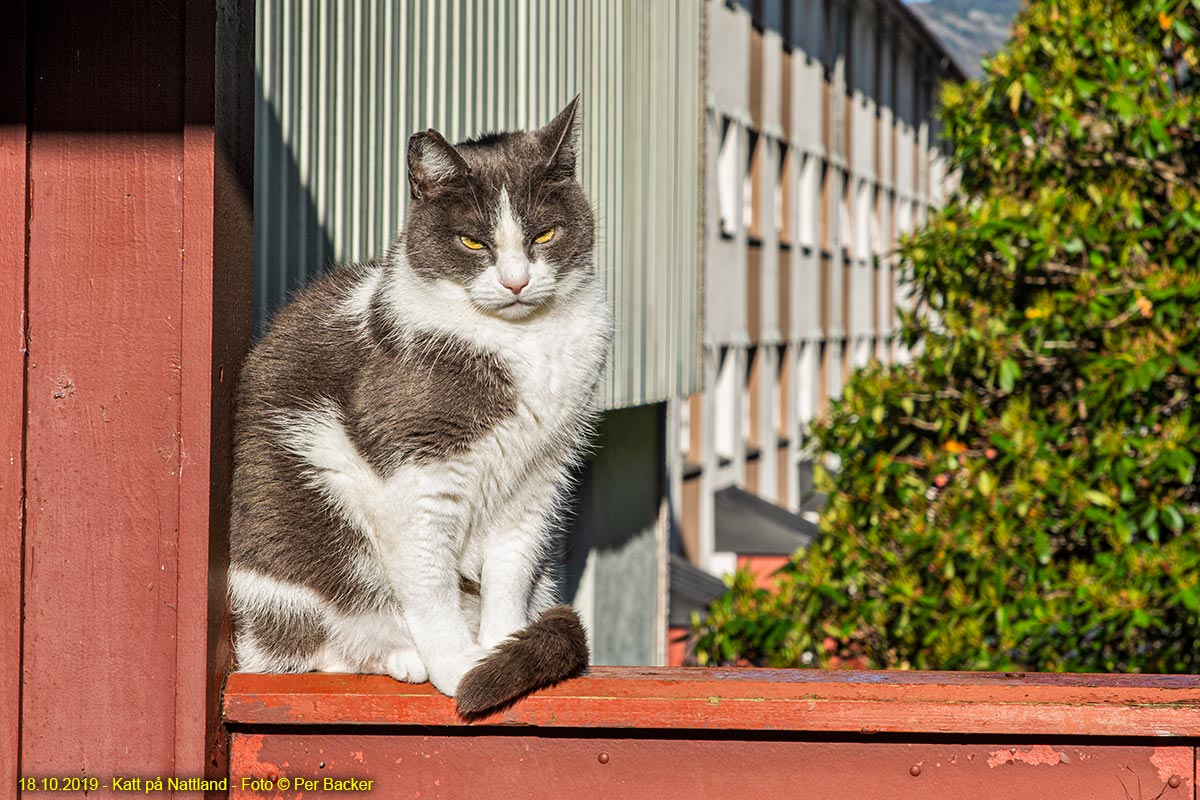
344,82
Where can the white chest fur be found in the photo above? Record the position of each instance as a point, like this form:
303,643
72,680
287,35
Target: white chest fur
554,358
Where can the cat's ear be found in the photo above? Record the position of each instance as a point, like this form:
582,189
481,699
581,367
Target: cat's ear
560,140
433,164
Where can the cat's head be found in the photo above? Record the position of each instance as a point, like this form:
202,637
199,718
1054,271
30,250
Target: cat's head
502,215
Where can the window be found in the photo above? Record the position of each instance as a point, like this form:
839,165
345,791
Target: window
751,407
725,403
846,220
784,200
807,383
752,210
810,198
784,365
885,216
864,200
727,178
826,206
903,216
862,352
686,429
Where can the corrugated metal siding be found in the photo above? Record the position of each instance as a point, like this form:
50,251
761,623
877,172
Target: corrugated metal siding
344,82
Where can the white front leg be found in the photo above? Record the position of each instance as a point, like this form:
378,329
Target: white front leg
421,536
513,560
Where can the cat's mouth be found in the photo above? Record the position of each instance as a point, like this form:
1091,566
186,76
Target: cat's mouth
516,308
511,307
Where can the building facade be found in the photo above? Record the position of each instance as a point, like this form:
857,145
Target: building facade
823,150
750,165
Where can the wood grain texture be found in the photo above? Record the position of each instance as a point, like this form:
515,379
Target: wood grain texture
138,296
13,180
196,399
102,529
503,763
757,700
215,335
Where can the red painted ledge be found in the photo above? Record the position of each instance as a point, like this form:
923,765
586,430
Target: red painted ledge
756,700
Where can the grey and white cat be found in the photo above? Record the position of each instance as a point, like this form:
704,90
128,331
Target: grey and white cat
406,427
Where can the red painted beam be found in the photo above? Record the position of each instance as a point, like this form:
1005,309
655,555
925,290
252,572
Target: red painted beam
756,700
125,272
285,764
103,402
13,276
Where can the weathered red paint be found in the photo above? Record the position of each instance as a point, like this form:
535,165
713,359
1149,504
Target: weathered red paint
217,228
677,645
763,568
103,394
502,763
973,703
137,276
697,733
13,182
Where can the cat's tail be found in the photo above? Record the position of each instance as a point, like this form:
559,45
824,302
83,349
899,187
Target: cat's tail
550,650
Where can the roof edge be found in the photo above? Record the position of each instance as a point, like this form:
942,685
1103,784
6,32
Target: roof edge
910,18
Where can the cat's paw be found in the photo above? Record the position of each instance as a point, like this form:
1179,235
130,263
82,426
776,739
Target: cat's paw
405,664
446,675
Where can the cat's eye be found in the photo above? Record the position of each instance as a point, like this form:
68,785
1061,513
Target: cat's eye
544,236
470,243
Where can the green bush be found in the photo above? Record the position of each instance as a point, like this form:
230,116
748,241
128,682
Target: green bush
1022,494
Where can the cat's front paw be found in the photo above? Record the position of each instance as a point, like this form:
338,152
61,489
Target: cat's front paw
448,672
405,664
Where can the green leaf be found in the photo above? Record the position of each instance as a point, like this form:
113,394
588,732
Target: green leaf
1014,96
1085,88
1010,373
1173,518
1041,546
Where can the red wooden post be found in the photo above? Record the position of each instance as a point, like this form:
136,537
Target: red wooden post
12,383
135,272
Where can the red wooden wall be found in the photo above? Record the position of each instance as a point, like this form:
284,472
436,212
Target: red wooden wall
125,151
12,383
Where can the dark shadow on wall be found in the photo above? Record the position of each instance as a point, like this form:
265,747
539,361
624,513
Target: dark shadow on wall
291,246
613,516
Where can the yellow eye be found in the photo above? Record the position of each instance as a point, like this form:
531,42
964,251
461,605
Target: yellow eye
471,244
544,236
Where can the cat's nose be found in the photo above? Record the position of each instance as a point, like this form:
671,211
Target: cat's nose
515,285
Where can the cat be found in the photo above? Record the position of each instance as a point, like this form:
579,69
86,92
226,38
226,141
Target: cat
406,429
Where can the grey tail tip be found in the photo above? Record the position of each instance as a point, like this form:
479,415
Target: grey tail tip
552,649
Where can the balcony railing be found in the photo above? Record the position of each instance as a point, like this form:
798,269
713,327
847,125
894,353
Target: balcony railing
634,732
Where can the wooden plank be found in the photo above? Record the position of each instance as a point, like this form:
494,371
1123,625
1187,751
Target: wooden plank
139,270
501,762
760,700
217,229
103,434
13,180
196,392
